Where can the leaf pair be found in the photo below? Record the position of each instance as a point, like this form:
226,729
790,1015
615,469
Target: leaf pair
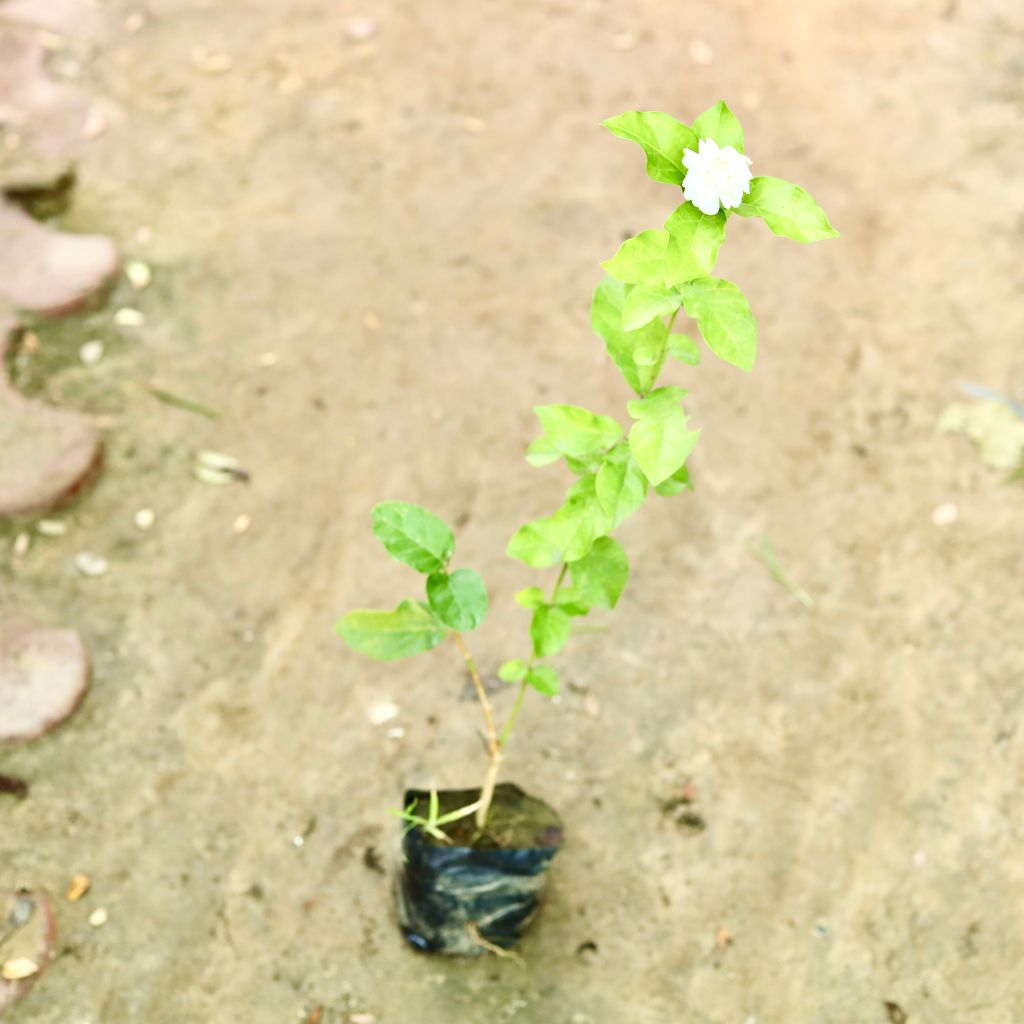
787,209
543,678
456,600
664,139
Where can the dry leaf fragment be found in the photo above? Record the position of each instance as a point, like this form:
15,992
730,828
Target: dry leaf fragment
723,938
18,968
90,564
78,887
217,468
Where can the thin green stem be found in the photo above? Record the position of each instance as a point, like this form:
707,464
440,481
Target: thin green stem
664,345
514,713
506,732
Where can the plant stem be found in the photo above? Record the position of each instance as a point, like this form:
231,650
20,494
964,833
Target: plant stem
493,743
514,713
506,732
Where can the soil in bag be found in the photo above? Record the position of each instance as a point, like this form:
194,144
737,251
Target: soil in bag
451,895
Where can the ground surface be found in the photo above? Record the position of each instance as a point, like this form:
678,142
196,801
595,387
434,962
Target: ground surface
857,766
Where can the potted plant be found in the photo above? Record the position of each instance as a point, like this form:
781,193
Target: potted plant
475,860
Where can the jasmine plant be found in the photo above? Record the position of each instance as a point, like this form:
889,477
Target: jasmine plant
652,279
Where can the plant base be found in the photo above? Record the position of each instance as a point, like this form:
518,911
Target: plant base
450,897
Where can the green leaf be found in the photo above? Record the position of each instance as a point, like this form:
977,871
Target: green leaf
787,209
724,319
542,452
530,598
694,239
543,679
566,534
678,482
624,346
537,544
388,636
620,487
660,441
685,349
576,432
658,405
601,576
512,671
549,630
459,600
571,602
643,304
413,535
719,123
641,259
661,137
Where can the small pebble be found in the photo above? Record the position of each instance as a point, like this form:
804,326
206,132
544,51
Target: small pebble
382,712
18,968
396,733
29,342
95,124
592,706
91,353
242,523
129,317
211,63
268,359
701,53
945,515
358,30
361,1018
99,917
21,545
750,100
90,564
298,841
291,83
474,125
144,518
138,273
52,527
371,321
624,41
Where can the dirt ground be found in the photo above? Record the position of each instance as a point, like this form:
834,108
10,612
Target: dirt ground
423,280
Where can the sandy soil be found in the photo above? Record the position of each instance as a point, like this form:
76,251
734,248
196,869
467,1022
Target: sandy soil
857,767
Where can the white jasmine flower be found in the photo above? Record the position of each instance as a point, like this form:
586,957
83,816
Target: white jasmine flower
715,176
